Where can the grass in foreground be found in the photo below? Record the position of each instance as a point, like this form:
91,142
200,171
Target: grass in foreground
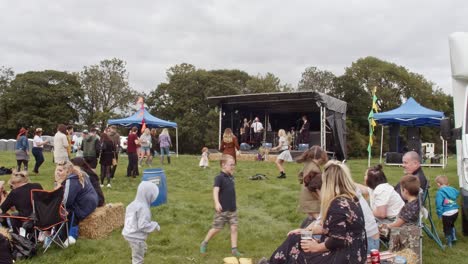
267,211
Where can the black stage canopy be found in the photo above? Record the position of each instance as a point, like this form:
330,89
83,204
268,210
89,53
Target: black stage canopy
287,105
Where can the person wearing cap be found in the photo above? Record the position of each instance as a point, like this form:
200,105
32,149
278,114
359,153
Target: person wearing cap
22,149
38,147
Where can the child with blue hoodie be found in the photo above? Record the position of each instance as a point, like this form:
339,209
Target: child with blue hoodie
138,222
447,207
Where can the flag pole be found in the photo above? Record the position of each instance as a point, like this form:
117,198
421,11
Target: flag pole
372,125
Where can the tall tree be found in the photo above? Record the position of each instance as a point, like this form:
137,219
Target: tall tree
107,91
6,76
394,83
314,79
183,99
267,83
43,99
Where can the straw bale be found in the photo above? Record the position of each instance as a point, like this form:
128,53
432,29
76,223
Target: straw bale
103,221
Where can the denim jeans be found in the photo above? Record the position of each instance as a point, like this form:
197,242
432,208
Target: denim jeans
372,243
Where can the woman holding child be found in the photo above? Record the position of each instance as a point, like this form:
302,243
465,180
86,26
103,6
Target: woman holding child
343,236
309,200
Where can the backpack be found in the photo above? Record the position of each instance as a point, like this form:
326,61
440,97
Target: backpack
23,248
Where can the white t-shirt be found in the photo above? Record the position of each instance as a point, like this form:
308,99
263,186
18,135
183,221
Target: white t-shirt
385,194
257,126
284,143
37,142
370,223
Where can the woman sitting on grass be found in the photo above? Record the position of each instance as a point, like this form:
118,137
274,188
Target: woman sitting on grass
385,202
343,237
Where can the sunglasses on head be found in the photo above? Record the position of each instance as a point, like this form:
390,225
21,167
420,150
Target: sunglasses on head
19,174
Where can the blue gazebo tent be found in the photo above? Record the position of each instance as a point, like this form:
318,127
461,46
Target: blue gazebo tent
150,121
410,114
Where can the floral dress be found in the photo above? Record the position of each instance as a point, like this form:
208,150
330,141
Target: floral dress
344,235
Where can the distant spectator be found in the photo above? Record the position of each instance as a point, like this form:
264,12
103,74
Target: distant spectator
22,149
115,136
132,141
107,154
38,147
229,144
145,147
70,140
61,144
165,143
91,148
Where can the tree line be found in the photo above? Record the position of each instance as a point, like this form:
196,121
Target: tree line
102,91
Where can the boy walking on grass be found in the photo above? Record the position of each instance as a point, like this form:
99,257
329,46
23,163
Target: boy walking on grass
224,196
447,207
138,222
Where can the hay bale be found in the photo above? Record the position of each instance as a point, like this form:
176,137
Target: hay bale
103,221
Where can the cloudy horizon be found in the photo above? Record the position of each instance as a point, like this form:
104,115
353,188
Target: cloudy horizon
258,37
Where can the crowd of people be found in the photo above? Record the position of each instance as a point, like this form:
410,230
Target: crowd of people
345,220
82,187
345,226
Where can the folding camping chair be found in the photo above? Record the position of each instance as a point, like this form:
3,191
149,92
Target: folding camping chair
429,228
49,216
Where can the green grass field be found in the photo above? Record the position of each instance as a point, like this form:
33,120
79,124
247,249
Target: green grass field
267,211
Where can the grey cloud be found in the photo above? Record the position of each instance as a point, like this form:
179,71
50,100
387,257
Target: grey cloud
256,36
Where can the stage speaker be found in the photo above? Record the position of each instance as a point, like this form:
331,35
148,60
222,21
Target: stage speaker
394,157
394,142
414,145
445,129
413,133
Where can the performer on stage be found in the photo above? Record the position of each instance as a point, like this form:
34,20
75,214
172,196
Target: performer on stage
245,131
293,135
305,130
258,130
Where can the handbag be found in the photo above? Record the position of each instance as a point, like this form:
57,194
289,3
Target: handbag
22,247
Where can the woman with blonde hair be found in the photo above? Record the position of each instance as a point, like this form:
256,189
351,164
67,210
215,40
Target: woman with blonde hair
343,237
229,144
19,197
164,144
79,197
285,155
145,146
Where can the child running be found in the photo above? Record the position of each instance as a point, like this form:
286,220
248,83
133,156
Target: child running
138,222
447,207
224,196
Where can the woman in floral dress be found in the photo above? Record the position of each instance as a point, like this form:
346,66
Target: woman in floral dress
343,237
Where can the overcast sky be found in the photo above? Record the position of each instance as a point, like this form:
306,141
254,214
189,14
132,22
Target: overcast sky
281,37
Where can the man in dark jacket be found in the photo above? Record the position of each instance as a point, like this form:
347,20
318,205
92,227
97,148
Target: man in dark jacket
412,166
115,136
91,148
